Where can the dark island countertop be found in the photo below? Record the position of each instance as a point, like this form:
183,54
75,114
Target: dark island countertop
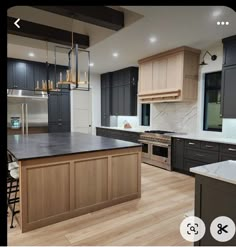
56,144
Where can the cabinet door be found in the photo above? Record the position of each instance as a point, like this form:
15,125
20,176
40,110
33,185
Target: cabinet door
127,100
159,74
114,101
174,73
177,156
121,98
145,77
103,106
19,72
40,73
30,84
53,108
229,52
107,106
228,92
10,77
64,107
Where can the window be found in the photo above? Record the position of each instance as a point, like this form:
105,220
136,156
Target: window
145,114
212,119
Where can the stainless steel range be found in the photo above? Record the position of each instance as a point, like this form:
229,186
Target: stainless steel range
156,148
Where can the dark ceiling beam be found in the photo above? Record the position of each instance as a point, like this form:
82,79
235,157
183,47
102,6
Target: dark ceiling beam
46,33
97,15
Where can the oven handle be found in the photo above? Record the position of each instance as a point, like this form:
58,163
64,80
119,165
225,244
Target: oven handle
155,143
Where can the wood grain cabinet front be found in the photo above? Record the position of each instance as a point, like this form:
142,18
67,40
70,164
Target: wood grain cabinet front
169,76
53,189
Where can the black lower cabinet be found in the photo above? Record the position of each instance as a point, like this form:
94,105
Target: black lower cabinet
177,157
186,153
58,127
214,198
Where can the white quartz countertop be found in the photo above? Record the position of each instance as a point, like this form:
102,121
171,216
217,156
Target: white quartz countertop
206,138
134,129
224,171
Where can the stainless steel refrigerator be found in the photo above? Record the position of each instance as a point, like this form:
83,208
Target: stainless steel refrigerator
26,112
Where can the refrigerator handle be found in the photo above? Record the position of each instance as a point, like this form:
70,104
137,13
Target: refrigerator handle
26,119
23,118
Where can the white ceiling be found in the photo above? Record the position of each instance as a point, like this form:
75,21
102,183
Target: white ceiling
173,26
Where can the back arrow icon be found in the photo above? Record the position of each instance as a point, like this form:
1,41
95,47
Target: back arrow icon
17,22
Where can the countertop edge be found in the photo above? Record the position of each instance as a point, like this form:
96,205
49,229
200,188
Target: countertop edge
210,139
82,152
210,175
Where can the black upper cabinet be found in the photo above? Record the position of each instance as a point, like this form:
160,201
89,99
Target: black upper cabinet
30,83
229,57
228,91
10,76
124,92
105,98
23,74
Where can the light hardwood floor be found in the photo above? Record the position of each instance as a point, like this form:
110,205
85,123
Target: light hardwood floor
153,219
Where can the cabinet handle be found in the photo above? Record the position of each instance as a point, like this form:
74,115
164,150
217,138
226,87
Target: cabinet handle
209,146
59,119
191,143
59,123
232,149
200,155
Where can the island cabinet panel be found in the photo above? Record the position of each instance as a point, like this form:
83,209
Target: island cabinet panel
53,189
124,175
54,193
91,182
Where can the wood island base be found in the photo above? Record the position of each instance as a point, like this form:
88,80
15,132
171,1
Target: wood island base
57,188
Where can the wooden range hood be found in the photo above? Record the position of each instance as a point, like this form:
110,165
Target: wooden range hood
170,76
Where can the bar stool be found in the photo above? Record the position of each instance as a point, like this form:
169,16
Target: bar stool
12,186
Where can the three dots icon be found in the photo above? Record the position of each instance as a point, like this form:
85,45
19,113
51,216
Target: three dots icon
222,23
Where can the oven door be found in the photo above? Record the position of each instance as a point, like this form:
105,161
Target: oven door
146,149
160,152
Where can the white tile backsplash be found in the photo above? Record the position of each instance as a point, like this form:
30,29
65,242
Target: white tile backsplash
178,117
229,127
188,117
132,120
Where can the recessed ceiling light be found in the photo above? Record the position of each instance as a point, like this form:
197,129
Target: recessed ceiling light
152,39
216,13
115,54
91,64
226,23
31,54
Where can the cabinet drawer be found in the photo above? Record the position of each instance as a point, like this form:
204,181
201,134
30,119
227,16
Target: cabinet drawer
210,146
192,143
228,148
224,157
201,155
191,163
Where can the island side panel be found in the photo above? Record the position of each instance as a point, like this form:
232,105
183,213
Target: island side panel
58,188
214,198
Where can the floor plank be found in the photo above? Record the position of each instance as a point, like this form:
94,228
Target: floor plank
153,219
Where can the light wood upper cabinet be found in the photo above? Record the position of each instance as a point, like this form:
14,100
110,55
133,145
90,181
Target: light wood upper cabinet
159,74
145,75
169,76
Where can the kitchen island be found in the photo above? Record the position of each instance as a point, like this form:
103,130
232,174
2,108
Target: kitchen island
64,175
215,196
